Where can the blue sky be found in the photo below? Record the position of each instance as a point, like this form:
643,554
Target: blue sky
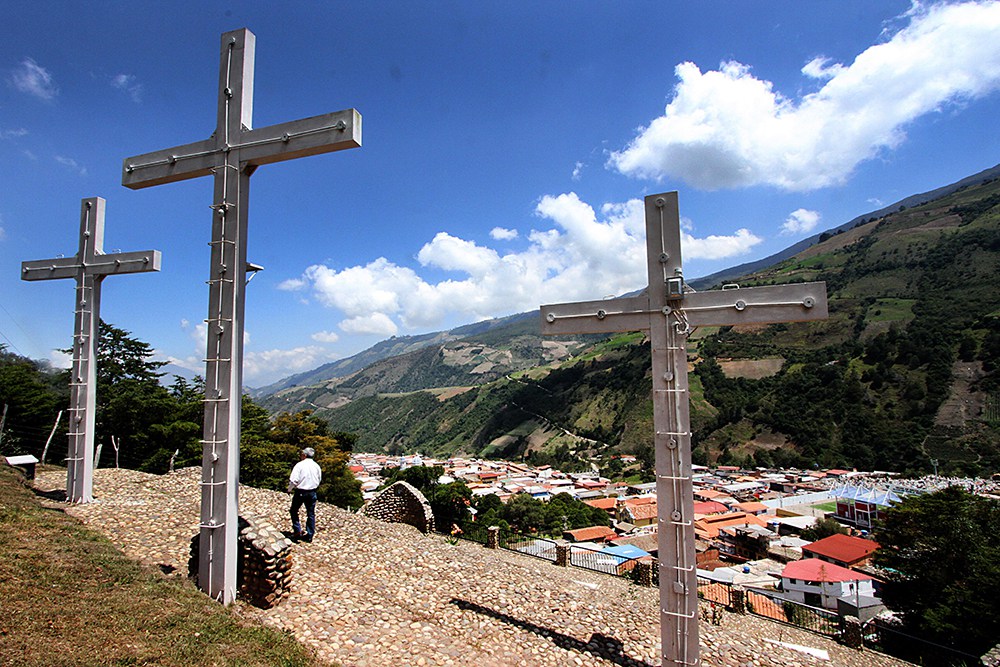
507,146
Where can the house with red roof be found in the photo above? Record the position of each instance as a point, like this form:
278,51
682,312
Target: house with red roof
843,550
709,507
590,534
639,515
818,583
752,507
708,527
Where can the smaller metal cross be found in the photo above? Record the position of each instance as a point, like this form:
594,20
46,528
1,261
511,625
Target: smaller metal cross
669,313
89,268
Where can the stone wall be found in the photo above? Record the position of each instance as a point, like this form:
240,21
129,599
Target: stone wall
264,577
401,503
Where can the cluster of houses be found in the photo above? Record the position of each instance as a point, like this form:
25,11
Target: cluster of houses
747,523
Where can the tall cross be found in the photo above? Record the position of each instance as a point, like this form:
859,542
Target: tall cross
668,313
89,267
232,154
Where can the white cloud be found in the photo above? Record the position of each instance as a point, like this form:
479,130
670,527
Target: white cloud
325,337
72,164
800,221
128,84
820,68
727,128
292,284
577,171
270,365
13,134
60,359
376,324
577,256
718,247
32,78
503,234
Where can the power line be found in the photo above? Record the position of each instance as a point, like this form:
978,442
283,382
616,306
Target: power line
18,325
10,341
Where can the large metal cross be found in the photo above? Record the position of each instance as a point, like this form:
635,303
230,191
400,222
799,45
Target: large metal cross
232,154
669,314
89,268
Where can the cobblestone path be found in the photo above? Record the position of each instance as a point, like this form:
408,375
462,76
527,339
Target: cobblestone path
370,594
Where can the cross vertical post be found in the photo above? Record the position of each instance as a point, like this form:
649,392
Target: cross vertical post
231,155
89,268
668,311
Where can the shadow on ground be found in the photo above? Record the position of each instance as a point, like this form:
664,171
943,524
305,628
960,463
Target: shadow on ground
609,648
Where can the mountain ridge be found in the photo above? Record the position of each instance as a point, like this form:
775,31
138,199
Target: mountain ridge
400,345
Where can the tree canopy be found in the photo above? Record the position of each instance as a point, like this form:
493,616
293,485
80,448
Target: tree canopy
943,565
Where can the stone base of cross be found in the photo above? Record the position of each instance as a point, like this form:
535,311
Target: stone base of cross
89,268
669,313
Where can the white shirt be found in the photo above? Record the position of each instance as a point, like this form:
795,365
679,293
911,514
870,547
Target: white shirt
306,476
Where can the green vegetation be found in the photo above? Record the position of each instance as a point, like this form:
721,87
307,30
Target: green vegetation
824,528
152,424
70,598
270,448
943,568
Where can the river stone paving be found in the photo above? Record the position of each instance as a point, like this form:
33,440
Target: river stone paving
372,594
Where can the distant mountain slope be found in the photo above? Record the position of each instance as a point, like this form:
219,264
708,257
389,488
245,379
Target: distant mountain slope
391,347
727,275
913,303
497,330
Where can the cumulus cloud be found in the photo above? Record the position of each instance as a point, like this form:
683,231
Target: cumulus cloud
128,84
31,78
376,324
72,164
577,171
325,337
503,234
576,255
292,284
727,128
800,221
269,365
60,359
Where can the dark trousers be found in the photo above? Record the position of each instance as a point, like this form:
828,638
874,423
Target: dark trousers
307,498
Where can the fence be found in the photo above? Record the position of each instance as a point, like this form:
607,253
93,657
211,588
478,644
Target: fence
597,560
770,605
539,547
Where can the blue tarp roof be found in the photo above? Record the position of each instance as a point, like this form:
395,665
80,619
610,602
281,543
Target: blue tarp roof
625,551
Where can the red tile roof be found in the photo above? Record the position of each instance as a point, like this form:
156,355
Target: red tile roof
814,569
591,534
751,506
710,507
602,503
709,526
844,548
641,512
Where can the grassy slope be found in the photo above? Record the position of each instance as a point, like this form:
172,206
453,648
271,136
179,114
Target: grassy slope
70,598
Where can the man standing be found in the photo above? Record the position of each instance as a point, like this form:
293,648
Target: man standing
302,484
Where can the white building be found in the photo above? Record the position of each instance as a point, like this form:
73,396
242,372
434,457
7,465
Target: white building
820,584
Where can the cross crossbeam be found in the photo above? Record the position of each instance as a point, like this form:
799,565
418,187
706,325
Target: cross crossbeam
89,268
231,155
669,313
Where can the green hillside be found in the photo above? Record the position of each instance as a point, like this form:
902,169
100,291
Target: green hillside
902,373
